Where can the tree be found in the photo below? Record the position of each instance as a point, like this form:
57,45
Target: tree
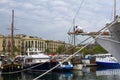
99,49
96,49
16,49
60,49
47,50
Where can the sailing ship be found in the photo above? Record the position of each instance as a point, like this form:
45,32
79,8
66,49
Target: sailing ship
112,42
8,64
109,40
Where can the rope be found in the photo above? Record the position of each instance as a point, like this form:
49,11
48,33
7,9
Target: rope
78,10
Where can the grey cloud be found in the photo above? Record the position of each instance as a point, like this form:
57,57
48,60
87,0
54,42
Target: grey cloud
53,18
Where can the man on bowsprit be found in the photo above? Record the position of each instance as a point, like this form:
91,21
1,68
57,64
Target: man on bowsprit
78,29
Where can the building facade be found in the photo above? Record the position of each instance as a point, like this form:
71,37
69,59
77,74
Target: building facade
23,42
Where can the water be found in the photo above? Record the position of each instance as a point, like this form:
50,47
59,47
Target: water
86,74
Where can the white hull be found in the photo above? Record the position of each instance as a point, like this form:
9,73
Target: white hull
113,47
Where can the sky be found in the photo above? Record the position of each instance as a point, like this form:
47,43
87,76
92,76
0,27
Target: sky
52,19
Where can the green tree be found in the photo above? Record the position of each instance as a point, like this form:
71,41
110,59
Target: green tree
99,49
60,49
96,49
16,49
47,50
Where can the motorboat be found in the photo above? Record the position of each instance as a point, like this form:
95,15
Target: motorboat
35,60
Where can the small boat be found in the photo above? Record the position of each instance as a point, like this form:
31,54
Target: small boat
65,66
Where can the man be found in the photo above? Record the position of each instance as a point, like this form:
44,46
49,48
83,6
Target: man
78,29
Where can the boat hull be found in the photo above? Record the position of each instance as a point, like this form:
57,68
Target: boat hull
108,65
65,68
40,66
11,68
15,68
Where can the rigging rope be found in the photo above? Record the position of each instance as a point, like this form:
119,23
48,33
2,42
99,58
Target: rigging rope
77,11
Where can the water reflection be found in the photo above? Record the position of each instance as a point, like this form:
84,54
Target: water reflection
64,75
88,73
102,73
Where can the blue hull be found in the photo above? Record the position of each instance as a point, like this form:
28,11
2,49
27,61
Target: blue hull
41,66
67,67
108,65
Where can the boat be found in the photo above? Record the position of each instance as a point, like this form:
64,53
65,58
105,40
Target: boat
63,65
35,60
8,64
106,61
112,42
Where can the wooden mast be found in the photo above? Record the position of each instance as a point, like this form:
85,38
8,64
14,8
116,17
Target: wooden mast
12,35
114,9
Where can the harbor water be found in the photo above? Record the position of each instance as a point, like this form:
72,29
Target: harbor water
88,73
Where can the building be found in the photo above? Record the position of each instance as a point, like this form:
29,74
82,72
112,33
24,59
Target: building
23,42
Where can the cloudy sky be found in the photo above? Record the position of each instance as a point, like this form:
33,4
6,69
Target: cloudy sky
52,19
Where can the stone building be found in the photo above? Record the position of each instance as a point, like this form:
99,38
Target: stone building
23,42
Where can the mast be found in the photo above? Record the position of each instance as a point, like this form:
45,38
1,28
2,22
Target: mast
114,9
12,35
74,33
